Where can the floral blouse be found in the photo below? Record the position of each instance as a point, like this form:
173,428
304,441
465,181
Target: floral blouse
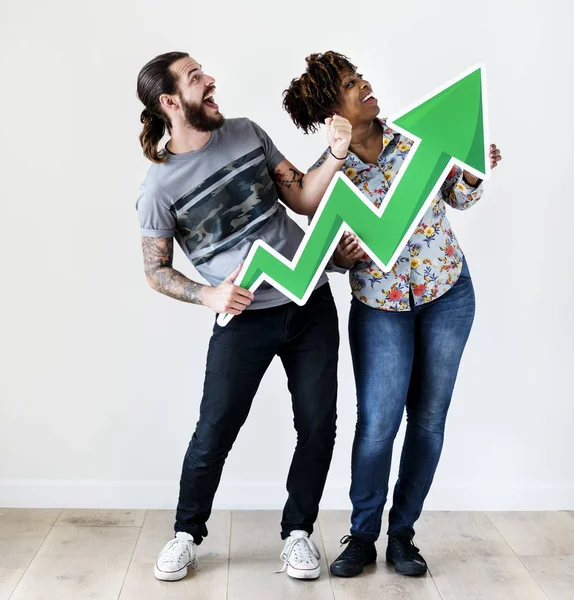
432,260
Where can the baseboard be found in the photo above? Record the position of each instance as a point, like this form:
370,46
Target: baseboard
25,493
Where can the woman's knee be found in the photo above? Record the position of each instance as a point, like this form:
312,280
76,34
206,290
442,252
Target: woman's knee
380,425
430,421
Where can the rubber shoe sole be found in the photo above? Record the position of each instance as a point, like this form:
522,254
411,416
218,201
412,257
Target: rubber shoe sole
341,571
170,575
303,573
408,567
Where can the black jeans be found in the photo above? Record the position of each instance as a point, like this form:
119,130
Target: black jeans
306,338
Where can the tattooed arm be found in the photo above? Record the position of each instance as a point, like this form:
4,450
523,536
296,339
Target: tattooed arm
162,277
303,193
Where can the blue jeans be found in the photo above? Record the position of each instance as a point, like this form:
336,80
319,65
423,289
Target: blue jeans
403,359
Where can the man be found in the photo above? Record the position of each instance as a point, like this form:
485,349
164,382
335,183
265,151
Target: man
216,188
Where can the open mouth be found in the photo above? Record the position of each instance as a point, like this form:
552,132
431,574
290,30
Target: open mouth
210,102
369,99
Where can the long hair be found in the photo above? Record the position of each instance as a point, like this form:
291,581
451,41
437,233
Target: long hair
156,79
316,95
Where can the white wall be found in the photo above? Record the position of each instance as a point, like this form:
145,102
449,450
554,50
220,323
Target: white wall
101,377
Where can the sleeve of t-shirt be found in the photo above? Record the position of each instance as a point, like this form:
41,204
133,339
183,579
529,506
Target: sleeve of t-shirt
154,211
272,156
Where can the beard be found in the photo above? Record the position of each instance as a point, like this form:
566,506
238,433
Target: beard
196,117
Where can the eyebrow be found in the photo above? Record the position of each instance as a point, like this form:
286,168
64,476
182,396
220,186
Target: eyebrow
198,68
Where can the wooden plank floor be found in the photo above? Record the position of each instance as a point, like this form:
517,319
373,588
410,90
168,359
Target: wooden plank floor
109,555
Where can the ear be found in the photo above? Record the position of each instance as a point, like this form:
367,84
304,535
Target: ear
169,102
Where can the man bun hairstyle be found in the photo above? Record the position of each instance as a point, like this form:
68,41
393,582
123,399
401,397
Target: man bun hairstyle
155,79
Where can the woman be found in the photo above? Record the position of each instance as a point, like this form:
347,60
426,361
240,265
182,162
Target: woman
407,328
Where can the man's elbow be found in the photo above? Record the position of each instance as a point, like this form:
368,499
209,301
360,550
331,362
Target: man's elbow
307,209
300,208
152,281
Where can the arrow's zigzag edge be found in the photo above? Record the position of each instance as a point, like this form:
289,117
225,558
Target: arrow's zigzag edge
222,320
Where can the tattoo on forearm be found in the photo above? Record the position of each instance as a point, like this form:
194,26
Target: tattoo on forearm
175,285
158,258
282,178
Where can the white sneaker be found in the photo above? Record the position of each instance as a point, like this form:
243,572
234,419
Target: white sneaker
300,556
175,557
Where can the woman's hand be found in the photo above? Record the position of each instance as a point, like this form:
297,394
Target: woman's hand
348,251
339,135
495,158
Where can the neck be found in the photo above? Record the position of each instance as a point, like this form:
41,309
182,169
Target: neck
366,139
186,139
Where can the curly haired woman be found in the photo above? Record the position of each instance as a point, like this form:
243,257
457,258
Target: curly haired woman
407,328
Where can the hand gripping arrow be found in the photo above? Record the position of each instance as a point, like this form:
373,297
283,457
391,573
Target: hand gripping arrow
447,127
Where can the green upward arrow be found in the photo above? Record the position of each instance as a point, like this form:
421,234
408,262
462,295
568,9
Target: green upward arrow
448,127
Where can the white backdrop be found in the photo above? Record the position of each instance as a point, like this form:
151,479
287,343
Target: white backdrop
101,377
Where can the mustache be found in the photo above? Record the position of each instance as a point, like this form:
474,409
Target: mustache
209,92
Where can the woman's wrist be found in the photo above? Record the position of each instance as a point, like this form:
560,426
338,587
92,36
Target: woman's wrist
337,157
470,179
342,263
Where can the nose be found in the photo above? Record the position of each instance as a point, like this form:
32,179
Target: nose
209,81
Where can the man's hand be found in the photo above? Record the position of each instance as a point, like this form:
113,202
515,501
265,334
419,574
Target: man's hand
227,297
348,251
339,135
495,158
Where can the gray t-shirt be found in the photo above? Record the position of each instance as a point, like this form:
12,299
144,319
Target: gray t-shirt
216,201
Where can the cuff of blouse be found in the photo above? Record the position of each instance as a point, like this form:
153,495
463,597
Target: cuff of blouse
472,185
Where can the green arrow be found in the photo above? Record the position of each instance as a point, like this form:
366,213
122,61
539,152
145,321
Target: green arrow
447,127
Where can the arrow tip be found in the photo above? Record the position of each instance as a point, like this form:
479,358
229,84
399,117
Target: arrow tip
452,118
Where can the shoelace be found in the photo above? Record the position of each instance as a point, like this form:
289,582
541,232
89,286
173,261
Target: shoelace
304,549
407,549
175,549
354,550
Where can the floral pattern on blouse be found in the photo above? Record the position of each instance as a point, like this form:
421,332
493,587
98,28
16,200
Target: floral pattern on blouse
432,260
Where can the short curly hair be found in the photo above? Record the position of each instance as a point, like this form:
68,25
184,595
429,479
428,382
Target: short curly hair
316,95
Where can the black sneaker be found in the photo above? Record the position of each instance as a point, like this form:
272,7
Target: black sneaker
354,557
404,555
